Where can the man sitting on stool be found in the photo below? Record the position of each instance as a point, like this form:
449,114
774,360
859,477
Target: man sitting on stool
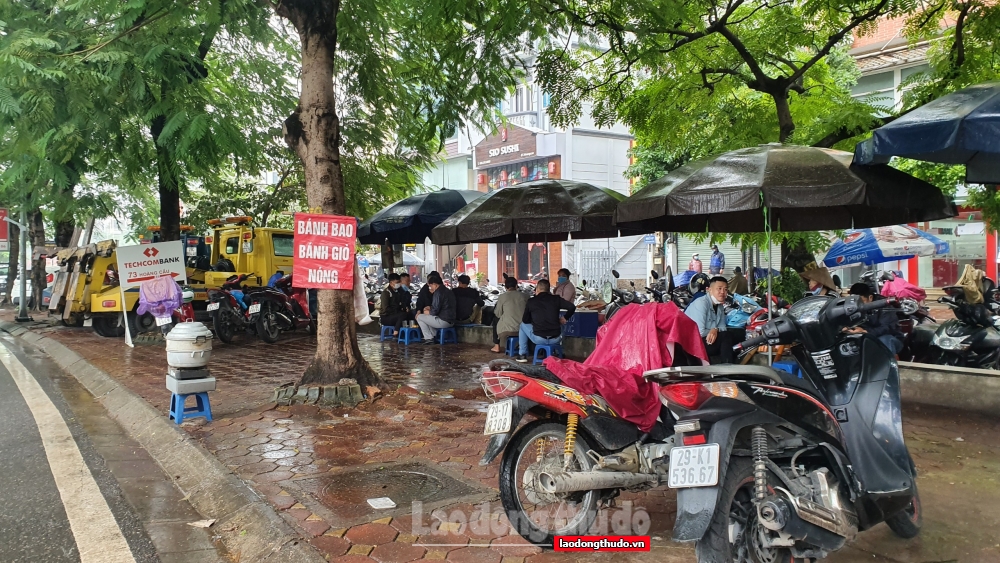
441,312
541,322
468,302
710,315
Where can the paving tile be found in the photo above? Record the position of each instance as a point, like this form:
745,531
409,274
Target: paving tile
371,534
314,528
474,555
331,546
397,552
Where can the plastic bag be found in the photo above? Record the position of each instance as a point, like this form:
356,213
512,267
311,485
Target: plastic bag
159,297
901,289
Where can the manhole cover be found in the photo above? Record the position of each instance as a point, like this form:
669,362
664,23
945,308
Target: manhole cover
346,493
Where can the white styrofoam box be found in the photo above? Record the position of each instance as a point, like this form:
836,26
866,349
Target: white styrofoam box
188,386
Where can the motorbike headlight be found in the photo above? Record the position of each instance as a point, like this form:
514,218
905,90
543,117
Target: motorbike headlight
628,297
951,343
748,308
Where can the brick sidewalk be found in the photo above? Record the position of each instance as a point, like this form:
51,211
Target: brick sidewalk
437,418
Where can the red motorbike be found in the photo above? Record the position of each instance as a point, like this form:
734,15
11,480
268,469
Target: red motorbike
768,466
281,307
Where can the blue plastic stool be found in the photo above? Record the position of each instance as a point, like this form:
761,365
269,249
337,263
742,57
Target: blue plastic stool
386,333
409,334
789,367
446,335
511,346
178,412
549,349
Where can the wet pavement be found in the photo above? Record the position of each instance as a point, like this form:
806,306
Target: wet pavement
304,460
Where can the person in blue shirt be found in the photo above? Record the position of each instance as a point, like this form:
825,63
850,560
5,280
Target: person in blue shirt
709,313
717,263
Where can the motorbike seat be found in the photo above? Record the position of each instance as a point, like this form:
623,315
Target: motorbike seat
737,371
538,372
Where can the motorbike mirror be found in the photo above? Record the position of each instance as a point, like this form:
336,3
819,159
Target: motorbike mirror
615,274
654,274
583,283
495,292
632,283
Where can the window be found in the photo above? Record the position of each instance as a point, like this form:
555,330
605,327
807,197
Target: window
233,246
283,245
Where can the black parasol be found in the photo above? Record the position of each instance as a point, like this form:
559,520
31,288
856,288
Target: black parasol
778,187
543,210
410,220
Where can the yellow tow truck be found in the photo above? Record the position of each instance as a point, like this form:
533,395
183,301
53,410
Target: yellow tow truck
87,285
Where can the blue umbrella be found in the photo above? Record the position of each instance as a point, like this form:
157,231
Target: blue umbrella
362,262
960,128
884,244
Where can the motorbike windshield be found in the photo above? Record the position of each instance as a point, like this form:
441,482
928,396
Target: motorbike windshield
806,311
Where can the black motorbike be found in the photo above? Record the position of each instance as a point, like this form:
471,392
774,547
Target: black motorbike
230,308
777,468
971,339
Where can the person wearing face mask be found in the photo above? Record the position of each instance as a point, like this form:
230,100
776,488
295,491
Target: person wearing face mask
564,288
389,313
710,316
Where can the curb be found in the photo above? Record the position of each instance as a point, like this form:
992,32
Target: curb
250,528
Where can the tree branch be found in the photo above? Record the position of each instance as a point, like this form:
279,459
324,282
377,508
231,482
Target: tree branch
836,38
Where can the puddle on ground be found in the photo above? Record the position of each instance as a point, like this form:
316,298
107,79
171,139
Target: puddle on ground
346,494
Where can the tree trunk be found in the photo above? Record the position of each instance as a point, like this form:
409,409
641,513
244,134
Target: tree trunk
313,132
786,125
13,258
64,232
36,234
169,184
796,256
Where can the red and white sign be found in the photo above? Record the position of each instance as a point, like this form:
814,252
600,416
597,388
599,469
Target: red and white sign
324,251
4,231
143,262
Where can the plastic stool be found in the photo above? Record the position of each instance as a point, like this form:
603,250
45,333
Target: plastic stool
549,350
789,367
447,335
409,334
386,333
178,412
511,346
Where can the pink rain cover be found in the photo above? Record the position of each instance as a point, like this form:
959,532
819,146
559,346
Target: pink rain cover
159,297
901,288
637,339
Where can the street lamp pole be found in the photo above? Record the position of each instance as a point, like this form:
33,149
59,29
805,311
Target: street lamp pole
22,311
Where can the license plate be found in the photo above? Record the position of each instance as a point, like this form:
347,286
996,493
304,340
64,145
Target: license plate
498,417
254,309
212,307
160,321
694,466
192,251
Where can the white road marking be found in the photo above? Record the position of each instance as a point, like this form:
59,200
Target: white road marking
98,537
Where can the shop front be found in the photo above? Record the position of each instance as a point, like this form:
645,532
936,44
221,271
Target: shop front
510,157
970,244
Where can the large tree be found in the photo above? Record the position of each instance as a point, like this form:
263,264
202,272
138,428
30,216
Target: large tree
387,73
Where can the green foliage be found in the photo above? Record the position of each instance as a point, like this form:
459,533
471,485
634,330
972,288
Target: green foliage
788,286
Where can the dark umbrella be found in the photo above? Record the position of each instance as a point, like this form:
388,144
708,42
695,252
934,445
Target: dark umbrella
410,220
543,210
778,187
960,128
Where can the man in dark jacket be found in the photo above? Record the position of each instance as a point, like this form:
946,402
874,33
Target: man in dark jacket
389,311
440,313
541,322
881,323
424,295
468,302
